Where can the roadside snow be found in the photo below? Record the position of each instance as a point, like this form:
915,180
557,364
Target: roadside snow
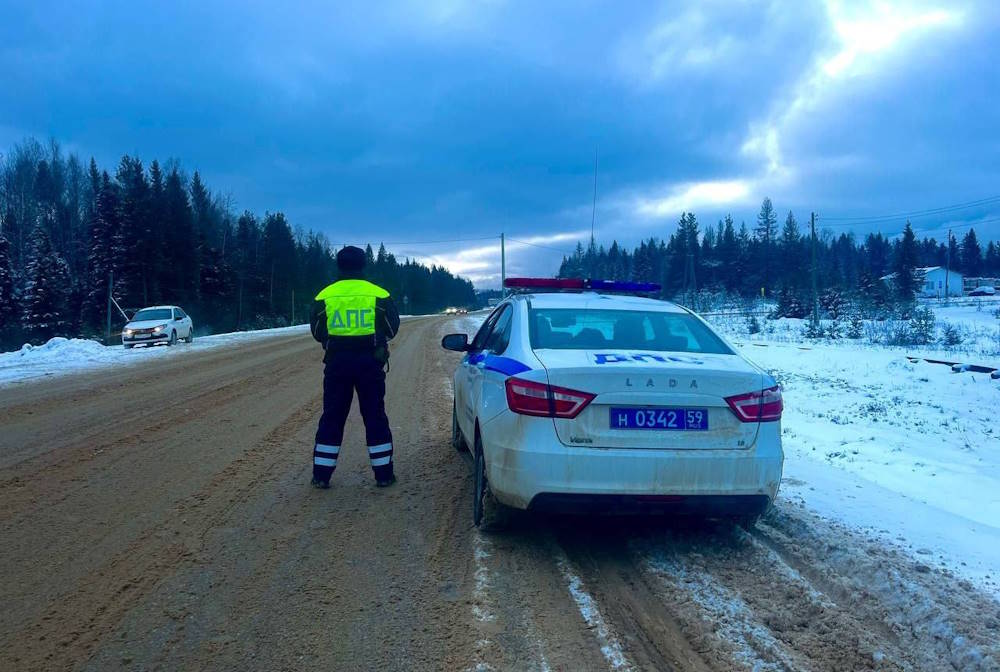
910,451
61,356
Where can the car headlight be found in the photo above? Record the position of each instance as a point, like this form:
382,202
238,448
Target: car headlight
128,332
159,327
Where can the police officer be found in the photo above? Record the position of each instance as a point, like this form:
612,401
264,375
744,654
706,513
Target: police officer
354,320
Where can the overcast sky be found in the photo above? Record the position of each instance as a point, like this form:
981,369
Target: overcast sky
433,120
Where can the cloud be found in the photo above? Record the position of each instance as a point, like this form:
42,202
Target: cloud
481,263
861,37
711,194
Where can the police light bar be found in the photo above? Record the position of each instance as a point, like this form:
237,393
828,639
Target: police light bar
579,284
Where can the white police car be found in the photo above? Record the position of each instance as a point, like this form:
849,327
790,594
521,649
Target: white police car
581,399
158,324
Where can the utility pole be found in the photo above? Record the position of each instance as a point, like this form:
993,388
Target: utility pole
111,283
812,228
503,266
947,267
293,307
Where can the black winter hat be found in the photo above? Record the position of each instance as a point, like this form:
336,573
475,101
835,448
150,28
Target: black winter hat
351,259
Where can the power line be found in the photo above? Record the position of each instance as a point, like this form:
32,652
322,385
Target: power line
919,213
545,247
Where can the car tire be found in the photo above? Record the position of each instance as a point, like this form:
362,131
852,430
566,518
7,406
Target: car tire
748,522
457,441
129,346
488,514
173,338
190,336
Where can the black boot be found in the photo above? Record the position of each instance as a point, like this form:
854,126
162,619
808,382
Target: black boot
385,482
320,485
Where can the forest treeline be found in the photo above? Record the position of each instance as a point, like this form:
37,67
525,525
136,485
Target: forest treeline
777,261
67,227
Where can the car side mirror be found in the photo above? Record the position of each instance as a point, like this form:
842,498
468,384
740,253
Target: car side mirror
178,318
456,342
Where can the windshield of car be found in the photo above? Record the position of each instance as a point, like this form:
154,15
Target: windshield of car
151,314
583,329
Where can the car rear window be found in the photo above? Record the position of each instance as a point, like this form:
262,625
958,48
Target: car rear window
582,329
152,314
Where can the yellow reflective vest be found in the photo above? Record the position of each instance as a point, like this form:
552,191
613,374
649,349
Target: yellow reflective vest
350,307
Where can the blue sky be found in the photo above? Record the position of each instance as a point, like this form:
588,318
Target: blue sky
432,120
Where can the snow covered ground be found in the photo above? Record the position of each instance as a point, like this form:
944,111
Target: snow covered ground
907,451
61,356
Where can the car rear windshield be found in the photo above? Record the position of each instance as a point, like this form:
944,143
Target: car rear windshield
582,329
152,314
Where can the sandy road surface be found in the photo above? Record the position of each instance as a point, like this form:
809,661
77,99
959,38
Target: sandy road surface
183,535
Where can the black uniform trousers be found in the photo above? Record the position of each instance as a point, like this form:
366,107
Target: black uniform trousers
345,372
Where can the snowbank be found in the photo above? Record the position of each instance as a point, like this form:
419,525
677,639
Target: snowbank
60,356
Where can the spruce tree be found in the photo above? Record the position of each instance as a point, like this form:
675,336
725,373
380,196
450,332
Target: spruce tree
8,302
46,290
765,233
991,261
104,254
905,267
972,255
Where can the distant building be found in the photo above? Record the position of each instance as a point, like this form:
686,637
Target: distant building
932,281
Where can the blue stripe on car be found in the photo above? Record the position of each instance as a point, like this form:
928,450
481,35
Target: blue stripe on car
505,365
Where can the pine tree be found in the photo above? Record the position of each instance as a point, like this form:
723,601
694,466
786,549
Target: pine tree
46,290
104,252
8,302
972,255
765,233
991,262
905,267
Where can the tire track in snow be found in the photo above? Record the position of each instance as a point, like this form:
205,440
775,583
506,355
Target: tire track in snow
611,647
754,645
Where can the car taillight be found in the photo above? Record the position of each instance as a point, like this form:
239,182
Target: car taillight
530,398
763,406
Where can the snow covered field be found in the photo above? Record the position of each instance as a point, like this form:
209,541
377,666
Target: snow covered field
61,356
907,451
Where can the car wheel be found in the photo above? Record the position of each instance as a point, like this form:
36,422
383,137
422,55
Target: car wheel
488,514
129,346
173,338
748,522
190,336
457,442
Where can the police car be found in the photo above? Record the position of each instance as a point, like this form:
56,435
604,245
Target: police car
579,395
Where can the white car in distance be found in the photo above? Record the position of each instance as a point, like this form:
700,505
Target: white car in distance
587,400
158,324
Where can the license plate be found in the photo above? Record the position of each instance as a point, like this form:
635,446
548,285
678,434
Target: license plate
142,336
680,419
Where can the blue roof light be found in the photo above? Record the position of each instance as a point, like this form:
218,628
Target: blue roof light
622,286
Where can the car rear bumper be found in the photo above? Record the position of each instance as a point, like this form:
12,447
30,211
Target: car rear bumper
680,505
528,467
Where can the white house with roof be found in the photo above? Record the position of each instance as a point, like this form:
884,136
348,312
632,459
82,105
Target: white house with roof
932,281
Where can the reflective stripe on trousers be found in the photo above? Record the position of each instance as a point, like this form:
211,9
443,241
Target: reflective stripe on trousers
380,455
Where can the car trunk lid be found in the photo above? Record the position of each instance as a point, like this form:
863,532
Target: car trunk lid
653,381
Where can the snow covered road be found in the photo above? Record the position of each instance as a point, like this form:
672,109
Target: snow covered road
183,535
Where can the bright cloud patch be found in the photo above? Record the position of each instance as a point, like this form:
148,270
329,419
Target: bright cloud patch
716,193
